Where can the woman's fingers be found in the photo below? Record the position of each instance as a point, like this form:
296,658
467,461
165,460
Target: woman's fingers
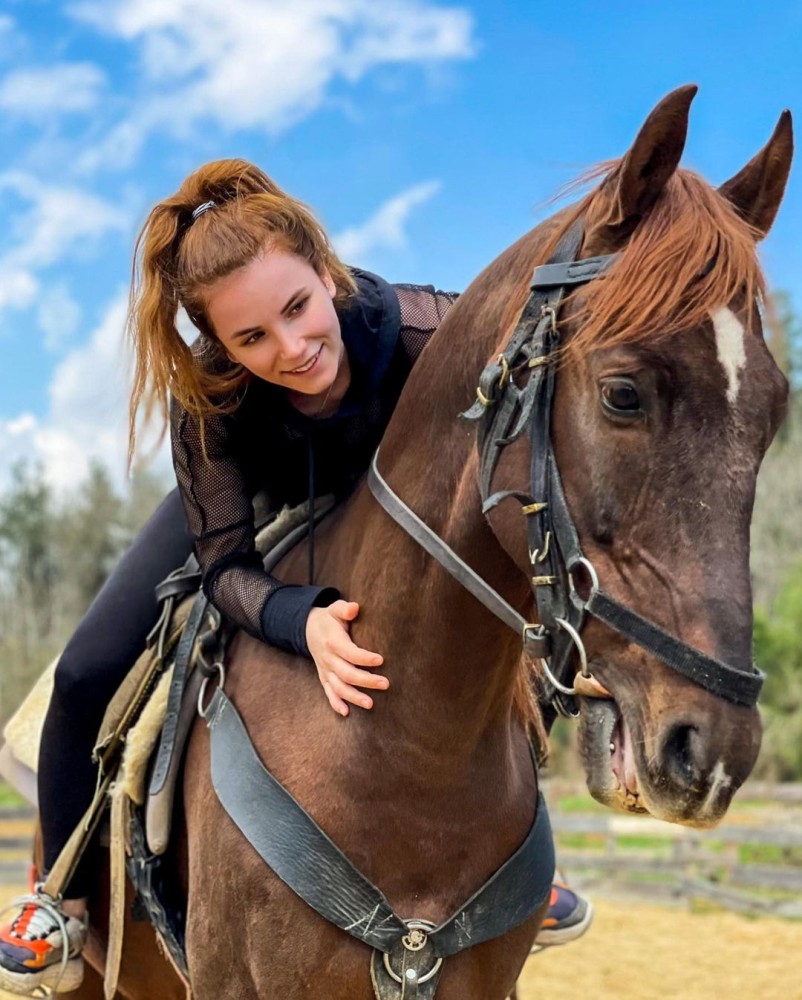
336,703
345,647
347,693
350,674
344,611
339,659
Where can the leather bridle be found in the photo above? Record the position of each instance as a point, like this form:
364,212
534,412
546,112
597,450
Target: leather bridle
504,412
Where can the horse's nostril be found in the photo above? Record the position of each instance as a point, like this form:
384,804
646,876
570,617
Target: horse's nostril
680,753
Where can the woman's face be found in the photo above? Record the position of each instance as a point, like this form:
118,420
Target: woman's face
276,317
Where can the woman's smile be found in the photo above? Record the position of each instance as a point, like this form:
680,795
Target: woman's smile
308,366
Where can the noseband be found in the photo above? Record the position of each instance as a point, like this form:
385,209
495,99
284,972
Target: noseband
504,412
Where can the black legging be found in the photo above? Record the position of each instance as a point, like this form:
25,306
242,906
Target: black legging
102,650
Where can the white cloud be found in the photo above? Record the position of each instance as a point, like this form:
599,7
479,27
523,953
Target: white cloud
260,63
16,443
8,30
385,229
44,225
18,287
88,396
57,220
58,315
87,418
64,88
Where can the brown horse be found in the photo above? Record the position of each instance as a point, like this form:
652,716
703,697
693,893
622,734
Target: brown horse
666,400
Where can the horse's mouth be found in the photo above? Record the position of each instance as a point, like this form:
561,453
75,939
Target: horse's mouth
608,753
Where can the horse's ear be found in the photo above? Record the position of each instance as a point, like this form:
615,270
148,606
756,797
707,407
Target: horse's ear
757,190
636,183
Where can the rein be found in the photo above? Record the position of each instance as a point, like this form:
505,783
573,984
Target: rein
504,412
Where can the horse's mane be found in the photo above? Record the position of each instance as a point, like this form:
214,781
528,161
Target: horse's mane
690,254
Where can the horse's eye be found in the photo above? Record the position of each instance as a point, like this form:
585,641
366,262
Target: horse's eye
620,398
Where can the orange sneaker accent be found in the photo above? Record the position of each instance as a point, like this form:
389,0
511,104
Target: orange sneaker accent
14,936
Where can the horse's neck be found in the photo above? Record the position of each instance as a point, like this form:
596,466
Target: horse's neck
452,665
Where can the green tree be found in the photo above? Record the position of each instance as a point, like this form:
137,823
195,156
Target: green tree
26,534
778,651
92,536
54,559
29,579
784,337
145,493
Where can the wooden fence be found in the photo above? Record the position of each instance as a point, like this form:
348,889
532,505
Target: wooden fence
16,838
748,868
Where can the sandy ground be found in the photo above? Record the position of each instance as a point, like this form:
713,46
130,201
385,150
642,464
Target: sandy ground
636,952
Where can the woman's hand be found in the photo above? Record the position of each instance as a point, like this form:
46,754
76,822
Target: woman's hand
338,658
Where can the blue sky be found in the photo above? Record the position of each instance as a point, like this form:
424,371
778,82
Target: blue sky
427,136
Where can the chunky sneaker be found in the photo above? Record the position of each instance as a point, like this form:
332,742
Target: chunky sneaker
32,951
568,918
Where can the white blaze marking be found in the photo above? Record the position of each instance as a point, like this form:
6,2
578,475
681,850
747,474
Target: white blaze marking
719,780
730,346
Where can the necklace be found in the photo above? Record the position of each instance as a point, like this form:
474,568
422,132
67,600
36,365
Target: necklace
322,406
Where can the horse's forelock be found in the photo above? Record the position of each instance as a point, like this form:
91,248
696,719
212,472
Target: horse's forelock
691,254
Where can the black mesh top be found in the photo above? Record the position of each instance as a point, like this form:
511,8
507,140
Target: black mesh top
266,445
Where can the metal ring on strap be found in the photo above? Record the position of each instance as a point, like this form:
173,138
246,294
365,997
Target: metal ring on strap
414,925
576,598
221,675
558,685
580,648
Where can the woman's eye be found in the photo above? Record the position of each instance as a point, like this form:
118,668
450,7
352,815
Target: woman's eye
252,338
620,398
298,307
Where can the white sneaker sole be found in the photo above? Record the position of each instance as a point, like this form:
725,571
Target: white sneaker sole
547,936
24,983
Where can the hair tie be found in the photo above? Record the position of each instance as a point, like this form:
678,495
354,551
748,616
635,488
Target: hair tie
198,212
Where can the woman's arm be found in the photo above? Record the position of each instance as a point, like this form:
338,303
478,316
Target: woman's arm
307,620
220,517
423,309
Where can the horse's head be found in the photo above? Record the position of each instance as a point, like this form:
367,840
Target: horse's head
666,399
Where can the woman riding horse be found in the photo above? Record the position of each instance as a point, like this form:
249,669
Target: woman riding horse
296,372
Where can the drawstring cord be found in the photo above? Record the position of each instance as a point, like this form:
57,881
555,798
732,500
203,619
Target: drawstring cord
310,451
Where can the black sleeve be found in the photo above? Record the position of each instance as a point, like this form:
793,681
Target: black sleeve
220,516
423,308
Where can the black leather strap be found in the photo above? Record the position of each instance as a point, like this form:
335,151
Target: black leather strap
510,897
733,685
563,274
307,860
183,654
447,558
183,581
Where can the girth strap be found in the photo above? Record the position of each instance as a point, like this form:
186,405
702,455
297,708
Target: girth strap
307,860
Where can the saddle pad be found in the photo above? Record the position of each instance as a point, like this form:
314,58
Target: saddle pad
23,731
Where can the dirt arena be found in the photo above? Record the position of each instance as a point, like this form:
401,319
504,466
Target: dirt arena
636,952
